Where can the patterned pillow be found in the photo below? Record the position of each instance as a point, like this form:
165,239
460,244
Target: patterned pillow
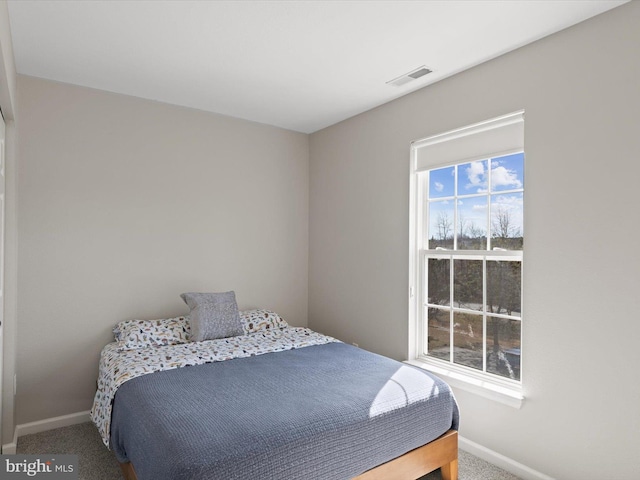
132,334
256,320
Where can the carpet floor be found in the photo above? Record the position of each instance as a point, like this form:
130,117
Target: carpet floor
98,463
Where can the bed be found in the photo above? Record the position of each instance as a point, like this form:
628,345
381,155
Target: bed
277,403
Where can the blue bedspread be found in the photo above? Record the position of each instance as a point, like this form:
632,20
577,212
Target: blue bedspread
321,412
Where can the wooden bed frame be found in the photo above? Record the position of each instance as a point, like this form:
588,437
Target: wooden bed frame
441,453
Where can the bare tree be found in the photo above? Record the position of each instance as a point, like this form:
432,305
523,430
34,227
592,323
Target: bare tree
470,235
504,231
463,225
444,225
502,224
475,231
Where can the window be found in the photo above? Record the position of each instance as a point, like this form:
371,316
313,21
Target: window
466,259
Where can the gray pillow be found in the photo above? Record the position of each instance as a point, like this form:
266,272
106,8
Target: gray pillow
213,315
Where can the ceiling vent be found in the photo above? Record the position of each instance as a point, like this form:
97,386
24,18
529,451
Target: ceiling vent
410,77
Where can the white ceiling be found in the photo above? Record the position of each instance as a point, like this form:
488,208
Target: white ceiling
301,65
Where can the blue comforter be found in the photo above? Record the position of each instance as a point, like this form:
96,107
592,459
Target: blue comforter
321,412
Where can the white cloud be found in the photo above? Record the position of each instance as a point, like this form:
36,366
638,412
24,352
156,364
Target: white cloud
508,201
438,186
501,177
476,175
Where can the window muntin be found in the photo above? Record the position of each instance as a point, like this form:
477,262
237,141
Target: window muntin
473,237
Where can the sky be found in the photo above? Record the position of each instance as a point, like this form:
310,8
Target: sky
474,192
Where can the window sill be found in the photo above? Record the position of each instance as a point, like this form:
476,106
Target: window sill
510,395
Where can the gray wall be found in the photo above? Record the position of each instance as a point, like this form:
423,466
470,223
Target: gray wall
581,92
126,203
9,327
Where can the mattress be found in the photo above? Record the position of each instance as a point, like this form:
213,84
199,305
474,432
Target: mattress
323,411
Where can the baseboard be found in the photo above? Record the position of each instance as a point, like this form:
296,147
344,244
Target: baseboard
506,463
10,448
51,423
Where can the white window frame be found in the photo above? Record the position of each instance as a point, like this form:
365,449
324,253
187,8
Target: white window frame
504,390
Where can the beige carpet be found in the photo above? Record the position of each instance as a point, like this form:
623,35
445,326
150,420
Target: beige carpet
98,463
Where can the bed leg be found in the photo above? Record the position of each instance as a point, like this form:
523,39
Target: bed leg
128,473
450,470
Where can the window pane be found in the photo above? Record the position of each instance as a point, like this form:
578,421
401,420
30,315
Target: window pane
472,223
472,177
467,339
441,224
467,284
507,173
504,287
438,340
506,221
503,347
441,182
439,273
